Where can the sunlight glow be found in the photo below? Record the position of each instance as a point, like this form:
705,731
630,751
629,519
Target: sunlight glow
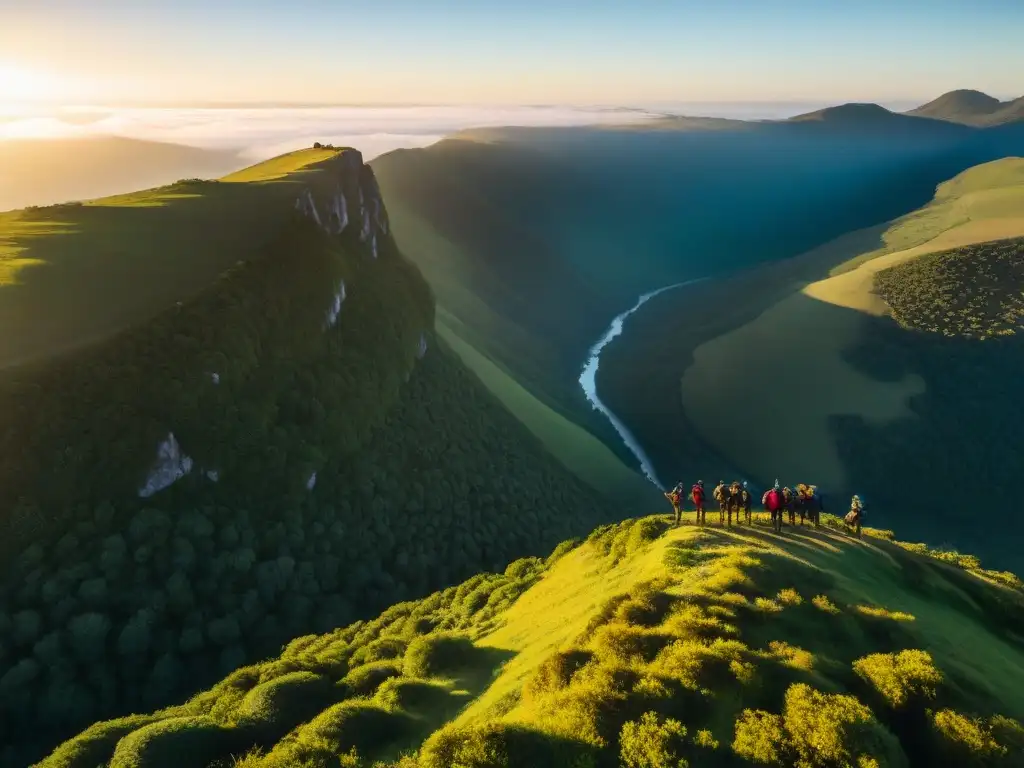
17,84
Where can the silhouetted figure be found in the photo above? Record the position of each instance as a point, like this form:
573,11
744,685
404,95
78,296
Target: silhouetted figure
773,501
676,497
697,494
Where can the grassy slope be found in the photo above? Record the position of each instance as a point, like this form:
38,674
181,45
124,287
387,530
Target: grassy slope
152,248
549,663
578,449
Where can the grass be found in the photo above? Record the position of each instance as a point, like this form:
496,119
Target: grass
985,193
72,274
643,646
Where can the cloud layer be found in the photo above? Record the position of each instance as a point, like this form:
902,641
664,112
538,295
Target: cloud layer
260,133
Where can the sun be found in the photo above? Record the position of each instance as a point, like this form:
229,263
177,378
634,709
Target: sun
18,84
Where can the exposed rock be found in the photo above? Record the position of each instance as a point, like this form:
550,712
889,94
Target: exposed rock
213,475
335,309
215,378
311,482
339,212
373,245
364,233
421,350
171,465
305,205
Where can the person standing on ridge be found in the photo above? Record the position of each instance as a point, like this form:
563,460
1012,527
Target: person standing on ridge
773,502
855,516
697,494
676,497
720,494
746,501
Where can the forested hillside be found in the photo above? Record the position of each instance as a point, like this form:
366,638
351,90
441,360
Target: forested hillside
287,450
641,647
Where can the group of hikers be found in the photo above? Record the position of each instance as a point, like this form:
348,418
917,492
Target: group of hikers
803,500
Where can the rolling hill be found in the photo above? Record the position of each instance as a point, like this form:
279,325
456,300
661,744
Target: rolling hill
846,397
641,646
972,108
236,425
46,172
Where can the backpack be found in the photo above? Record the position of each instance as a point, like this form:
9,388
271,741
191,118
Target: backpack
697,493
774,500
851,516
719,492
675,496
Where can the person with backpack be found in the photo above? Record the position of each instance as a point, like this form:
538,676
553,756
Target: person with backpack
746,501
721,495
772,500
697,494
855,517
676,497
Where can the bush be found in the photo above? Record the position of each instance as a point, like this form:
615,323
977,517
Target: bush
364,680
971,742
277,706
900,677
652,743
175,742
95,745
431,655
761,738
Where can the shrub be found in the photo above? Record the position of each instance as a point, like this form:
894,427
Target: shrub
822,603
277,706
556,672
652,743
900,677
835,729
399,693
970,741
430,655
761,738
175,742
87,635
364,680
95,745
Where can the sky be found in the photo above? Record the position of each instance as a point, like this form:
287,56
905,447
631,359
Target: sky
564,52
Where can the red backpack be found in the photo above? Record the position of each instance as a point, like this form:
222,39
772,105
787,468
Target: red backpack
774,500
697,493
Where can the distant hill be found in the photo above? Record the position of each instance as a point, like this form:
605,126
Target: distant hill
641,647
44,172
873,119
970,107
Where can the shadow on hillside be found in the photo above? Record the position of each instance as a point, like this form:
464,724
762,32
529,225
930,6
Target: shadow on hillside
90,269
927,428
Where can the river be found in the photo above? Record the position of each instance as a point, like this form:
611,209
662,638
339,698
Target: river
588,379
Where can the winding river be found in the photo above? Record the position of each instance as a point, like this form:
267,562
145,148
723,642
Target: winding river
588,379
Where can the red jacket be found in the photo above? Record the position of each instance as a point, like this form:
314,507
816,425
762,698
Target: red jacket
697,494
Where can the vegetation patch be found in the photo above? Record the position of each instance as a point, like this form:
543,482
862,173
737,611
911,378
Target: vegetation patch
976,292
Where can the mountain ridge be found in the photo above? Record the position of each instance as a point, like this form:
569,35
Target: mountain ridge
971,107
641,645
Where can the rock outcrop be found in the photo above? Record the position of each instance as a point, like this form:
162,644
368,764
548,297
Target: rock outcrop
335,309
355,197
171,465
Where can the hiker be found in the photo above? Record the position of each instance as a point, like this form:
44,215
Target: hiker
697,494
855,516
789,504
746,501
773,501
733,500
720,495
812,506
676,497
